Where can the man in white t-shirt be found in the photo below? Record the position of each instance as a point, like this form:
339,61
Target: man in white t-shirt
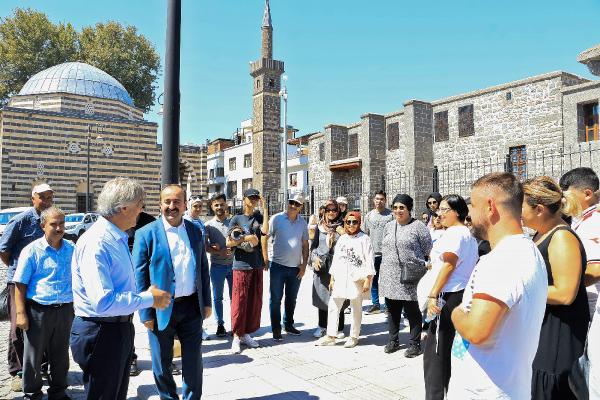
498,322
584,184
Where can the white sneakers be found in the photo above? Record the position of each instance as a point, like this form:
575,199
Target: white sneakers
325,341
351,342
245,340
319,332
340,335
236,348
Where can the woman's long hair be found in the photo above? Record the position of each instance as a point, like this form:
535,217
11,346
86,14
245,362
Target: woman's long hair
543,190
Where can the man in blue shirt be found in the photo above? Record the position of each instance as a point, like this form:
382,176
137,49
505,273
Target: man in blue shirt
289,233
19,232
44,306
105,295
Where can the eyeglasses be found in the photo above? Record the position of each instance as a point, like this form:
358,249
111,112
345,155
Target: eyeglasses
444,210
351,222
399,208
331,210
432,202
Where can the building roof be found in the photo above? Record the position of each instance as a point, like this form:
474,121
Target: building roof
77,78
267,16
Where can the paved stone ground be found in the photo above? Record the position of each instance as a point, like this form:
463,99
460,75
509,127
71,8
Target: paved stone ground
292,369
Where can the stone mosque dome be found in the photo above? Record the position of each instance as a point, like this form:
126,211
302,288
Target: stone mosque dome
76,78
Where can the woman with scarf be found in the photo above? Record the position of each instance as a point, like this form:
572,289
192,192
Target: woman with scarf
352,271
321,254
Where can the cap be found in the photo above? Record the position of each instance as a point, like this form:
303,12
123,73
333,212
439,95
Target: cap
195,199
251,193
298,198
42,187
342,200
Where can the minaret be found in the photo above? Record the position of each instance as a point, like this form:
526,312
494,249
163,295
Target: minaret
266,114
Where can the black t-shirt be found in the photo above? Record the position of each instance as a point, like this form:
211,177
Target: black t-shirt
252,226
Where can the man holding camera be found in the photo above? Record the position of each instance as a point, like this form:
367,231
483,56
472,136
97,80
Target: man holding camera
246,230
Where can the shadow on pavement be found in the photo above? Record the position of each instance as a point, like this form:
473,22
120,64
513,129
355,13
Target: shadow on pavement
294,395
226,359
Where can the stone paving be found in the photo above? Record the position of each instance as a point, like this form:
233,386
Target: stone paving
292,369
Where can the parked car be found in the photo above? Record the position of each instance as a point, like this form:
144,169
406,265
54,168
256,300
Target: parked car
76,224
7,214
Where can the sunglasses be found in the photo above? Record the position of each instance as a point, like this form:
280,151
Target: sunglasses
352,222
253,198
331,210
432,202
294,203
399,208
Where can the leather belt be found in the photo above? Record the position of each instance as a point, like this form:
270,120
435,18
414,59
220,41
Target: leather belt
119,318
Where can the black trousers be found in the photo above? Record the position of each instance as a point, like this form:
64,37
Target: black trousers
103,351
411,310
436,364
48,332
323,317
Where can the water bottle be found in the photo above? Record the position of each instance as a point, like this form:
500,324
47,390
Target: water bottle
440,304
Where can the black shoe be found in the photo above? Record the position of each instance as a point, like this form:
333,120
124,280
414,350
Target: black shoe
133,368
221,331
413,351
44,371
277,336
290,330
391,347
374,309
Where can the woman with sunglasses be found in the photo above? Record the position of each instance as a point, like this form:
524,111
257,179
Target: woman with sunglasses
321,254
454,256
352,271
408,244
432,204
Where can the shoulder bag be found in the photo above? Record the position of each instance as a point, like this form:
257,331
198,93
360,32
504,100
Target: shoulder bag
409,274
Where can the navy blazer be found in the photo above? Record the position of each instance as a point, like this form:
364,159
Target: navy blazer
153,266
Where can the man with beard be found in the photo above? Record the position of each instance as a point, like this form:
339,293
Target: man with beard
498,322
221,257
170,254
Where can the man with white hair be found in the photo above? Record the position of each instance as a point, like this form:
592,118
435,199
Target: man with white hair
105,295
19,232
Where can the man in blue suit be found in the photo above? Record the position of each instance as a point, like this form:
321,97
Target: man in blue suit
169,253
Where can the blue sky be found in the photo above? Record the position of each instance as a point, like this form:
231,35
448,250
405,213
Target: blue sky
346,57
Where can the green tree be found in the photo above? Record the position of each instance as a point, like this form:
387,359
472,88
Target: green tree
30,42
126,55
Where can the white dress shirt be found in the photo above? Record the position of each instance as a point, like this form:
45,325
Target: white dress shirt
184,264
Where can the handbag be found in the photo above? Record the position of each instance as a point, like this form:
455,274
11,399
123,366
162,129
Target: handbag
579,376
4,304
409,274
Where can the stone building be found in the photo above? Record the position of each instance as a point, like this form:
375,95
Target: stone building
266,113
544,124
66,112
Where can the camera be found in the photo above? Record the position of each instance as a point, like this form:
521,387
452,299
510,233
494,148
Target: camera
237,233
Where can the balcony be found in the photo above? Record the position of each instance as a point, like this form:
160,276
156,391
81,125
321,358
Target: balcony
216,180
345,164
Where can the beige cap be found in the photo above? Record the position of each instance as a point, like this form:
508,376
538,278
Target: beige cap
342,200
298,198
42,187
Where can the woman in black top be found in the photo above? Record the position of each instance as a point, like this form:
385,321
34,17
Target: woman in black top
564,328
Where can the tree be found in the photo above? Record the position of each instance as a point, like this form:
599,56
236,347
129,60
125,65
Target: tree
126,55
30,42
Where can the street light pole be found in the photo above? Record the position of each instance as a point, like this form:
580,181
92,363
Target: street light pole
170,146
284,180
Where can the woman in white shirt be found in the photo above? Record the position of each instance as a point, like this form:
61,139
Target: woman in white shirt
457,252
352,271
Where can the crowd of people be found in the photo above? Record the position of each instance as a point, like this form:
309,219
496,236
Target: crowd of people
499,289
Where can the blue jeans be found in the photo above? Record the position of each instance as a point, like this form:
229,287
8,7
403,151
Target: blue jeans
375,283
283,278
218,274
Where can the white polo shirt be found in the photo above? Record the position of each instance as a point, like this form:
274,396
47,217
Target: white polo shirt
588,229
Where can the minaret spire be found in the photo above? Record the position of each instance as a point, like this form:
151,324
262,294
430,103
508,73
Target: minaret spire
267,33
